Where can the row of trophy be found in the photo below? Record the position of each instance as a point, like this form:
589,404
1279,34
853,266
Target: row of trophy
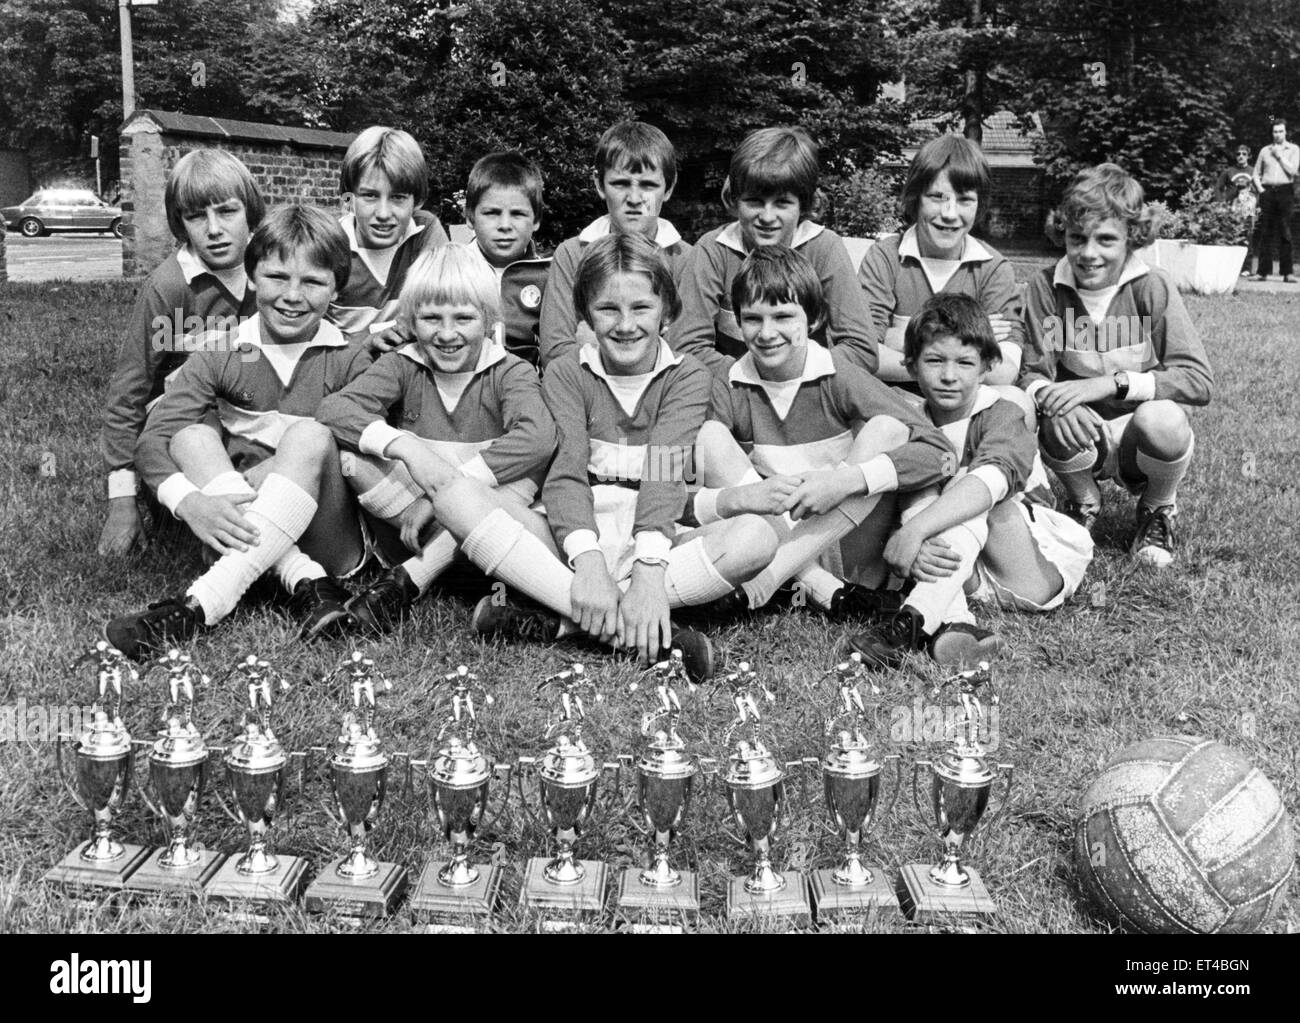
559,791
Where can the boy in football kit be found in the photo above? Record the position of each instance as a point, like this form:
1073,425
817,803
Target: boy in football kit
213,206
635,172
1113,361
452,405
824,438
270,474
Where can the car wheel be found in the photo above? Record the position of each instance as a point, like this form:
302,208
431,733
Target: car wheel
32,228
116,228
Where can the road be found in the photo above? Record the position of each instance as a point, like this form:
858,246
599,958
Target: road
71,256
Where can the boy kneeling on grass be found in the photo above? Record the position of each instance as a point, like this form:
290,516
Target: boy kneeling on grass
980,531
1113,362
627,411
234,450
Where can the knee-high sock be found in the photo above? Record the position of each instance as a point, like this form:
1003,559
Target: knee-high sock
295,566
1162,477
432,560
503,548
944,600
807,540
692,577
1075,474
819,585
281,512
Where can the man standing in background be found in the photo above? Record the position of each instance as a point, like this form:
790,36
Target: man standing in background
1275,171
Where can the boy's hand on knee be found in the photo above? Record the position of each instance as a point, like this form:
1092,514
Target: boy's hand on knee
122,529
1001,327
1076,430
934,561
594,597
413,521
1059,398
768,497
820,491
901,551
218,521
643,613
430,472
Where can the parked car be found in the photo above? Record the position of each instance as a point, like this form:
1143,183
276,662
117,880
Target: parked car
62,209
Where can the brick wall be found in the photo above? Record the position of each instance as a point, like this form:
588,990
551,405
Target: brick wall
289,165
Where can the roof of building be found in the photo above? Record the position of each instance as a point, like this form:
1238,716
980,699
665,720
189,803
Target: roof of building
1005,145
244,131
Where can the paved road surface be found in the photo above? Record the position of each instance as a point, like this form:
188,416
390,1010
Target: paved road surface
78,257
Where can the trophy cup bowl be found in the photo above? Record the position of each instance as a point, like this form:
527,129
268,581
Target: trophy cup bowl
459,778
102,770
755,793
852,786
359,781
665,778
568,781
959,795
255,771
178,772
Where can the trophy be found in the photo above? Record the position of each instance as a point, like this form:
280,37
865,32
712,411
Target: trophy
178,774
756,795
357,885
851,786
459,777
566,792
103,779
665,777
255,768
960,782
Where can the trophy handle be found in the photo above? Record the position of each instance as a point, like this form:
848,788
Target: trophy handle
1009,769
492,818
898,784
525,767
916,796
63,775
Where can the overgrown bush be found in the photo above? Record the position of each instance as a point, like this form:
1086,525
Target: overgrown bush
863,203
1202,218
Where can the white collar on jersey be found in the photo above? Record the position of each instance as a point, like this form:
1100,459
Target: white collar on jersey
349,224
972,249
985,398
665,236
190,264
489,355
327,335
1134,268
804,232
818,364
589,356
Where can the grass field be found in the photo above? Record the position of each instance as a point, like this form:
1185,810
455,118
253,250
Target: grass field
1208,647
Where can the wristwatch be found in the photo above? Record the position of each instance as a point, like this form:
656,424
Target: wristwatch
1121,385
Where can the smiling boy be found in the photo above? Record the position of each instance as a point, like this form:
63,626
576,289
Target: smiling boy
213,205
635,172
264,474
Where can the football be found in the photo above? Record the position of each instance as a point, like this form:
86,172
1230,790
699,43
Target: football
1182,835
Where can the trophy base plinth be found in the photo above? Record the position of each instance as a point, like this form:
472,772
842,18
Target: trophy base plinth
356,899
657,910
153,877
582,901
74,872
839,904
790,905
455,910
930,901
251,897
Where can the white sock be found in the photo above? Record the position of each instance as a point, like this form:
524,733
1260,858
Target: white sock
295,566
432,561
281,512
391,496
945,599
692,577
503,548
819,585
807,541
228,484
1162,477
706,498
1075,474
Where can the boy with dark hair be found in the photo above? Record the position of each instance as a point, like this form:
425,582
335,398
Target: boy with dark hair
635,172
270,473
213,205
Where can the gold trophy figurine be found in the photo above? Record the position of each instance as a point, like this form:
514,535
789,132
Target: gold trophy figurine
179,765
256,764
756,796
357,885
101,779
851,778
665,778
960,783
459,777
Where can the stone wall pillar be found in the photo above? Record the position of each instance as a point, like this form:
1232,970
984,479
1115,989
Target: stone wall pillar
146,238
